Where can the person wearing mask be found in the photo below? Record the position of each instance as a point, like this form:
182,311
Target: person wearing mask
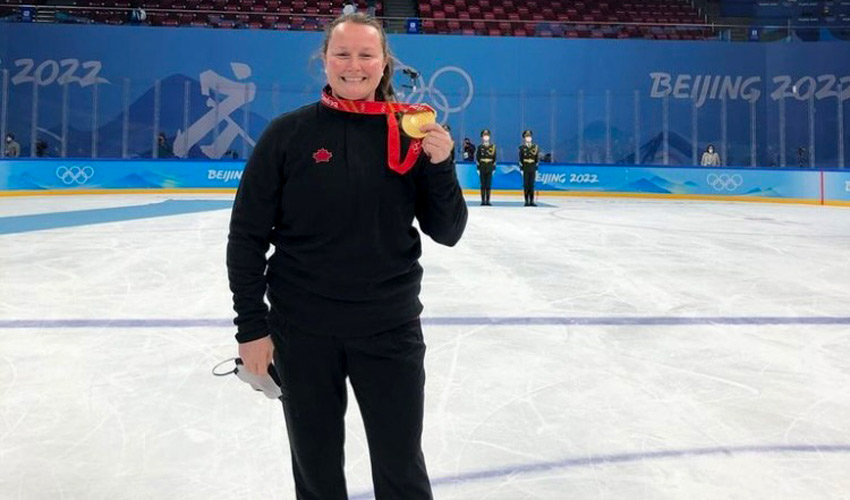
12,149
529,157
485,160
710,158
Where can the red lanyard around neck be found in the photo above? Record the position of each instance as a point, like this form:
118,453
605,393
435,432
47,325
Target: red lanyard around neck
393,135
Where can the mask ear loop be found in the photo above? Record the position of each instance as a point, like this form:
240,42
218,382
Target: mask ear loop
231,372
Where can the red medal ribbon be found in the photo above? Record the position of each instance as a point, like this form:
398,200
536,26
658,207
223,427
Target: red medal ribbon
393,137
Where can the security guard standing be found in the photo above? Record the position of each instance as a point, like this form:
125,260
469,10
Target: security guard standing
529,156
485,159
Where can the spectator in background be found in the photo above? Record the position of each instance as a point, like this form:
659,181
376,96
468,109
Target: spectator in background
12,149
710,158
137,14
349,8
162,146
468,150
371,7
802,157
41,148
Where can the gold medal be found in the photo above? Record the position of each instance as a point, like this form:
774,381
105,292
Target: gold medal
410,123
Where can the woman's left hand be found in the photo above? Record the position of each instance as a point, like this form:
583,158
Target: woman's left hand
438,143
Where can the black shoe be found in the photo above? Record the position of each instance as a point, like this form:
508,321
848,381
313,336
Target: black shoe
483,203
532,204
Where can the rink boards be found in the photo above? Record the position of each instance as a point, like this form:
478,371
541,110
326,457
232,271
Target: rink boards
68,176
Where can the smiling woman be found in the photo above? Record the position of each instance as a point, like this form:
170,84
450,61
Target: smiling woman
357,61
330,187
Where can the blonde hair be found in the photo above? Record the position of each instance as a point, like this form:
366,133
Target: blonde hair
385,91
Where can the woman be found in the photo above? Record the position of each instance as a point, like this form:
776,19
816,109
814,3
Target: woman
710,158
335,188
13,149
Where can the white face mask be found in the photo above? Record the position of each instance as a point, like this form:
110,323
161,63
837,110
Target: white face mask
486,138
8,139
528,140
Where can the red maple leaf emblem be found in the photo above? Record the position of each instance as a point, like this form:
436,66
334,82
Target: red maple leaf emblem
322,156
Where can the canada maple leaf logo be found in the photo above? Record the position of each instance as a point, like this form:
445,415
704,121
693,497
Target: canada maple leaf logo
322,156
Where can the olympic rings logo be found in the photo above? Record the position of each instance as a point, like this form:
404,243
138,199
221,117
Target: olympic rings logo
724,182
434,95
74,174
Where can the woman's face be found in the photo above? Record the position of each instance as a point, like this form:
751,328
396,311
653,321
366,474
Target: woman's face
354,61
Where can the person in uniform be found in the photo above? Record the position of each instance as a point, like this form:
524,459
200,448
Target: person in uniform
485,160
336,188
529,157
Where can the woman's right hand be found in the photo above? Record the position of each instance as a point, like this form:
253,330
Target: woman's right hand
257,355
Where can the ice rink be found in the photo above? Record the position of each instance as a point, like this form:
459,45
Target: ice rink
590,348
